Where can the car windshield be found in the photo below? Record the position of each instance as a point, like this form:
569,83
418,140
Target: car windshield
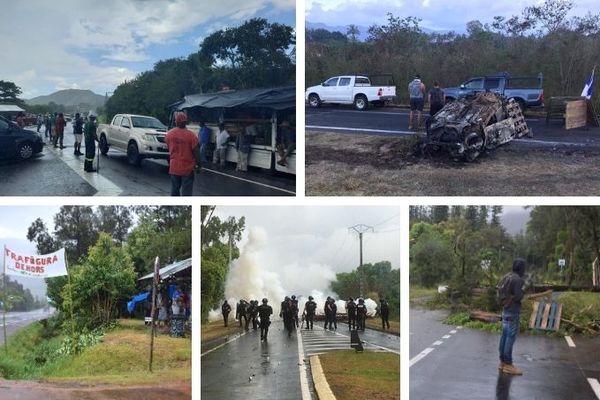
147,122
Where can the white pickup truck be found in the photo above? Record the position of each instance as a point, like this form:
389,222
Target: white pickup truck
351,89
138,135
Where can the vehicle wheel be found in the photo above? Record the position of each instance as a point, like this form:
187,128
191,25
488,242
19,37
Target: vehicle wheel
361,103
133,154
103,145
314,101
25,151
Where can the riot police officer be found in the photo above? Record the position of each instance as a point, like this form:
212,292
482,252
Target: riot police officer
310,307
361,314
240,312
384,312
295,310
252,313
351,311
264,312
225,310
286,313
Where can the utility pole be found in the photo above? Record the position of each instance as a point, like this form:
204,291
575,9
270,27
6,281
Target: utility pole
360,229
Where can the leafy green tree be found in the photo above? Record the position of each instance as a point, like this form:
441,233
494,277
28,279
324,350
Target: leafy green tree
219,245
105,276
9,93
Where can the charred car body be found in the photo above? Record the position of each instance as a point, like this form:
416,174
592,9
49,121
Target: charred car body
476,123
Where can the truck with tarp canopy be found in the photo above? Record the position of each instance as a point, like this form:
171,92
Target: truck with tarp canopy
259,111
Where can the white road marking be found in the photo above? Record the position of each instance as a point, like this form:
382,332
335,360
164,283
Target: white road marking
248,180
446,336
302,369
103,186
438,342
570,341
453,331
236,337
595,386
419,356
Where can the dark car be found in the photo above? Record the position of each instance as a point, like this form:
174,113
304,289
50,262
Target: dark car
16,142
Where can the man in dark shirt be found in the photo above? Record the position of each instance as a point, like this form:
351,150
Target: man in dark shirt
225,310
511,310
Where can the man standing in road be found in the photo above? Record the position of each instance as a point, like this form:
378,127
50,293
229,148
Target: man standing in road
59,131
361,314
310,307
264,312
220,153
77,131
89,131
416,91
240,312
183,157
48,126
510,294
295,309
351,310
225,310
436,99
333,314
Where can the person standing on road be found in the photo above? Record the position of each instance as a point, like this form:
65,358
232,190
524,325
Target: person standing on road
264,312
510,294
351,311
242,145
384,313
48,126
183,157
59,131
240,312
220,153
286,313
327,311
295,310
204,138
416,91
89,131
310,307
225,310
361,314
77,132
39,122
436,99
252,314
333,315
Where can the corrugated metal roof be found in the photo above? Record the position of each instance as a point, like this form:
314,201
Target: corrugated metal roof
170,270
10,108
279,98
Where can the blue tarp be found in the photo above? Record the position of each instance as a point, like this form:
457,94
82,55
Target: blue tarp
136,299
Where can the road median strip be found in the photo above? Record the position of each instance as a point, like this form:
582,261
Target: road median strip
321,385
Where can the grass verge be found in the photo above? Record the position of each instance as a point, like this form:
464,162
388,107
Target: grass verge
215,329
417,292
359,376
375,323
120,358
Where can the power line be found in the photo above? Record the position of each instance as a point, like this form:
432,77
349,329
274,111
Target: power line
386,220
360,229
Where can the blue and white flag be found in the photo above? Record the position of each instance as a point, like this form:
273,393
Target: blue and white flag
587,89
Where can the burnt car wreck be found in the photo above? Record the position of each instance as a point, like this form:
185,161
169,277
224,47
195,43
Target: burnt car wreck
469,126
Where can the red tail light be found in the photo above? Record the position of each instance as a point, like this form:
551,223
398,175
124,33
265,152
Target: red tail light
542,96
380,92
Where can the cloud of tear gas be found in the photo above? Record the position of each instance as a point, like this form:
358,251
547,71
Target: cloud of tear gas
250,277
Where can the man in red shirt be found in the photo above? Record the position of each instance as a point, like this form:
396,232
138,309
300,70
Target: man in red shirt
184,155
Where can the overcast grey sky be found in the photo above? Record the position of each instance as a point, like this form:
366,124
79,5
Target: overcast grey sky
89,44
302,243
435,14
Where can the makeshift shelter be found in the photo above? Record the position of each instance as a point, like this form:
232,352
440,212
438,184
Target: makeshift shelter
179,271
10,110
260,110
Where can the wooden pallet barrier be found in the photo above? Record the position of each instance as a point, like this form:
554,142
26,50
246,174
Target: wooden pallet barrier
545,316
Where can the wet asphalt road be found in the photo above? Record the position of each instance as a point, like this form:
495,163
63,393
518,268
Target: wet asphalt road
18,320
58,173
274,365
394,122
463,364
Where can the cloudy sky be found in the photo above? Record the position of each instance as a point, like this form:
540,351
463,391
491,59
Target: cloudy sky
435,14
14,222
87,44
306,245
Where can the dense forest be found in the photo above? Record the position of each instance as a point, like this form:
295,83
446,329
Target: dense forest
544,38
468,247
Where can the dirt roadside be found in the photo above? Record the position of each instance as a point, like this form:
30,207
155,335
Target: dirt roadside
29,390
367,165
